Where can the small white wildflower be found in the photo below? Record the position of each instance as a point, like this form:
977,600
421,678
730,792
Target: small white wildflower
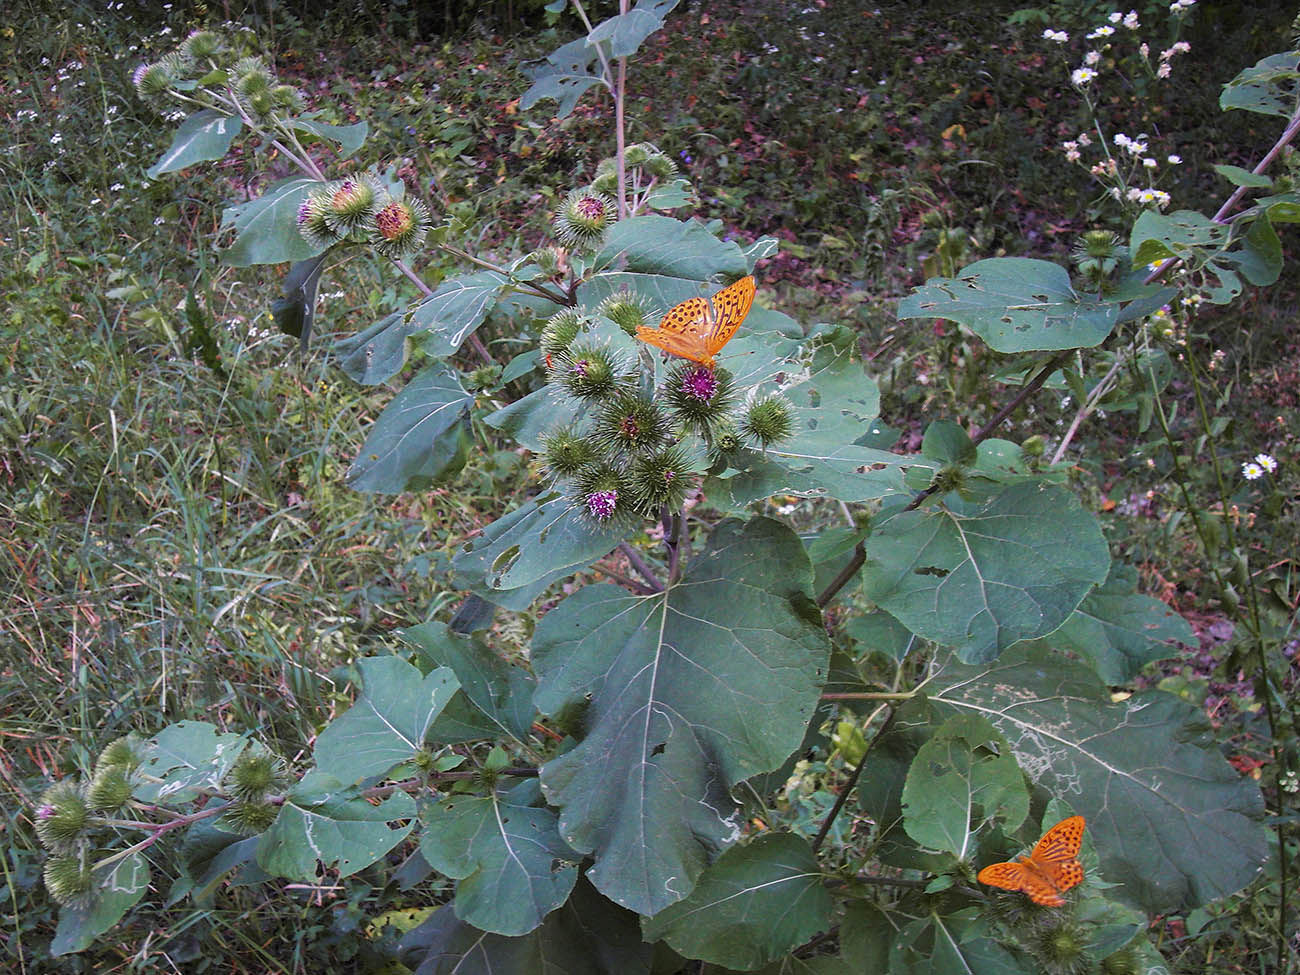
1059,36
1072,155
1149,163
1164,70
1120,139
56,138
1137,146
1116,17
1174,159
94,201
159,221
1091,58
1081,76
1105,30
116,188
1251,471
1069,144
1131,20
1135,194
1266,461
1085,139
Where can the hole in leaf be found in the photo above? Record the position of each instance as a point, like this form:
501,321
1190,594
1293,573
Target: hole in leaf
658,749
932,570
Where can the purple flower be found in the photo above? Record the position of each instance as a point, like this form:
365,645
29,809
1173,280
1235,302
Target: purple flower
601,504
700,384
45,811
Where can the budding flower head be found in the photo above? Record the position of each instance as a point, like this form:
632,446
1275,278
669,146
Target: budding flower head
288,98
559,332
550,260
768,420
566,453
314,220
398,228
248,818
700,398
202,45
583,218
68,879
255,775
152,80
62,816
126,753
588,372
251,77
352,202
662,479
110,790
629,423
603,494
625,309
1062,948
661,167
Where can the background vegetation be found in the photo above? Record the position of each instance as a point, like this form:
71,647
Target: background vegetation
175,534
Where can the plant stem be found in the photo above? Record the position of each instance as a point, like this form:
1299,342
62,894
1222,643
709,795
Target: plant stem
848,786
641,565
860,550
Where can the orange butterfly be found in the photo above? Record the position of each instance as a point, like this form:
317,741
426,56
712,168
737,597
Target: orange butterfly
1053,867
696,329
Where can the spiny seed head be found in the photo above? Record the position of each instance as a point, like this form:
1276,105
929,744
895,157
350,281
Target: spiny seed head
1096,244
314,220
768,420
726,440
353,201
255,775
588,372
1034,446
484,377
1122,962
110,790
288,98
625,309
202,45
68,879
550,260
262,104
126,753
661,167
949,478
636,155
663,479
566,453
629,423
248,818
62,816
152,80
253,78
398,228
606,183
699,398
559,332
1061,947
583,218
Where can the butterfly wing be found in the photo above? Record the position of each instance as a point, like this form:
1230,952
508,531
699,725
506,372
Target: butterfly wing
730,306
1009,875
681,331
1056,854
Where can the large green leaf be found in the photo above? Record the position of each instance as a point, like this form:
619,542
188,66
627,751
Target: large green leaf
962,776
1173,823
512,865
118,887
563,75
185,758
945,944
350,138
587,936
623,34
757,902
320,821
501,693
1270,87
544,539
204,136
1203,244
836,409
388,723
421,436
1119,631
266,229
1015,304
530,419
686,693
376,354
671,248
982,577
455,310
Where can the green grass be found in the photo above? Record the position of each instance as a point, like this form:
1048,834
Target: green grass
175,543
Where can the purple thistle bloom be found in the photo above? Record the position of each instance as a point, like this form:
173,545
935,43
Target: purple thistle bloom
45,812
580,367
304,211
700,384
601,504
137,75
